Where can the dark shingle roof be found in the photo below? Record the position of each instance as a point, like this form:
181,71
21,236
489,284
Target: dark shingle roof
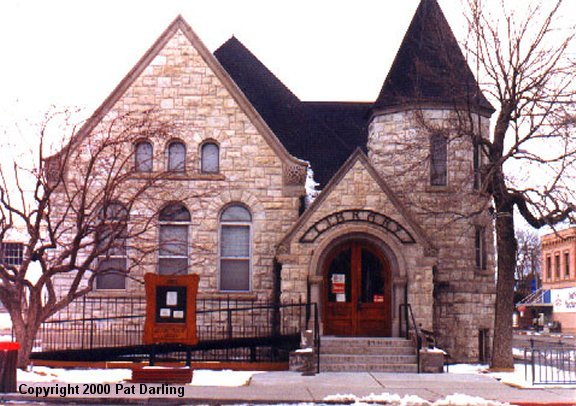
303,133
429,66
348,119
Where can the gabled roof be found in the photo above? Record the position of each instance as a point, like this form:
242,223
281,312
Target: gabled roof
429,68
359,156
325,140
179,24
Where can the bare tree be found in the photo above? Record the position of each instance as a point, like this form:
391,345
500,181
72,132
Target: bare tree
523,56
75,211
527,262
525,63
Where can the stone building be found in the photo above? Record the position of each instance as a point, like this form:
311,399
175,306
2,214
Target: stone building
398,219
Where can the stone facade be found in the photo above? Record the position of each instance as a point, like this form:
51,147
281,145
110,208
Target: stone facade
182,89
464,295
426,236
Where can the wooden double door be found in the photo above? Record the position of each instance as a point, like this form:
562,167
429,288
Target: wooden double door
357,291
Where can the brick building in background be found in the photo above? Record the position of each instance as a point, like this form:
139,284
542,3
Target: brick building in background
559,276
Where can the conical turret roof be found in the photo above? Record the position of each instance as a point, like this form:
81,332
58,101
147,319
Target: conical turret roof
429,68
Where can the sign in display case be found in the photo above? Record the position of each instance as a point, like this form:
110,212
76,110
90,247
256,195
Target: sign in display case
170,309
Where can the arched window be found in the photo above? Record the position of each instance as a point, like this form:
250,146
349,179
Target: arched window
438,160
111,247
210,162
174,220
176,157
235,251
143,156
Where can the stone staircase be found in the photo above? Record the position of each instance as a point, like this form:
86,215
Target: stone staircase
367,354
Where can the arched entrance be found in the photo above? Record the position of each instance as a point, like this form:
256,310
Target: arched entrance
357,291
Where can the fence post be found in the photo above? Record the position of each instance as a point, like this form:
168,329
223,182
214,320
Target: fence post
532,359
83,320
229,322
317,336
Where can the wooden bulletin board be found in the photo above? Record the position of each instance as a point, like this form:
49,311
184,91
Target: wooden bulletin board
170,309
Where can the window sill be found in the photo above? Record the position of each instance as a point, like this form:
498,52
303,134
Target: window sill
232,295
209,176
177,176
483,272
438,189
109,292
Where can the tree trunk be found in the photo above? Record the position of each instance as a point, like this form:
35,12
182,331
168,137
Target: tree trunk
503,334
25,335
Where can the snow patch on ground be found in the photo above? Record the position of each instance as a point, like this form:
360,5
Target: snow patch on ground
411,400
203,377
200,377
60,375
520,378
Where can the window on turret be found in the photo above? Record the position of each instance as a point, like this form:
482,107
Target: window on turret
480,247
438,160
477,161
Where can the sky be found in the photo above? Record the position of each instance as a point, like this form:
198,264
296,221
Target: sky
71,53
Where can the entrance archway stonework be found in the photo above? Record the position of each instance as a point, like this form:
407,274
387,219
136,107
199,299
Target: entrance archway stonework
357,188
410,271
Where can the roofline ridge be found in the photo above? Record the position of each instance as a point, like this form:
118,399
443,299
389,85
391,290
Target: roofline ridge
258,61
359,155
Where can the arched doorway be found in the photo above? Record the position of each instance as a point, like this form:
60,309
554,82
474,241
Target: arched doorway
357,291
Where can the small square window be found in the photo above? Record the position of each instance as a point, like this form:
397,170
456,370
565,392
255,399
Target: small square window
12,253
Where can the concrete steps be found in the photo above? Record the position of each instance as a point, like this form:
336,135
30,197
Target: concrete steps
359,354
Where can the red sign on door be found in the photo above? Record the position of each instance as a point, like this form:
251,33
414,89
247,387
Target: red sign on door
338,283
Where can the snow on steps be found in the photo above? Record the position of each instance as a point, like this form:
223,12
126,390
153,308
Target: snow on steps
358,354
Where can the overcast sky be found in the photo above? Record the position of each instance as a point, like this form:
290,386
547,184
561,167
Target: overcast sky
73,53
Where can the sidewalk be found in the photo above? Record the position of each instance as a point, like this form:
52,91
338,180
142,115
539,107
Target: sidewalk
292,387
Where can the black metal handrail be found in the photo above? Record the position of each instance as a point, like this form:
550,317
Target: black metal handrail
217,319
550,363
410,325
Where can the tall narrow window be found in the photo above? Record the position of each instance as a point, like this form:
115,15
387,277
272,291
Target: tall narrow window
480,247
477,162
235,222
174,220
438,160
176,157
111,242
566,265
210,158
557,267
548,275
143,156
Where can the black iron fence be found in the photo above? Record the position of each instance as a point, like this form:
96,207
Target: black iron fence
97,323
550,363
